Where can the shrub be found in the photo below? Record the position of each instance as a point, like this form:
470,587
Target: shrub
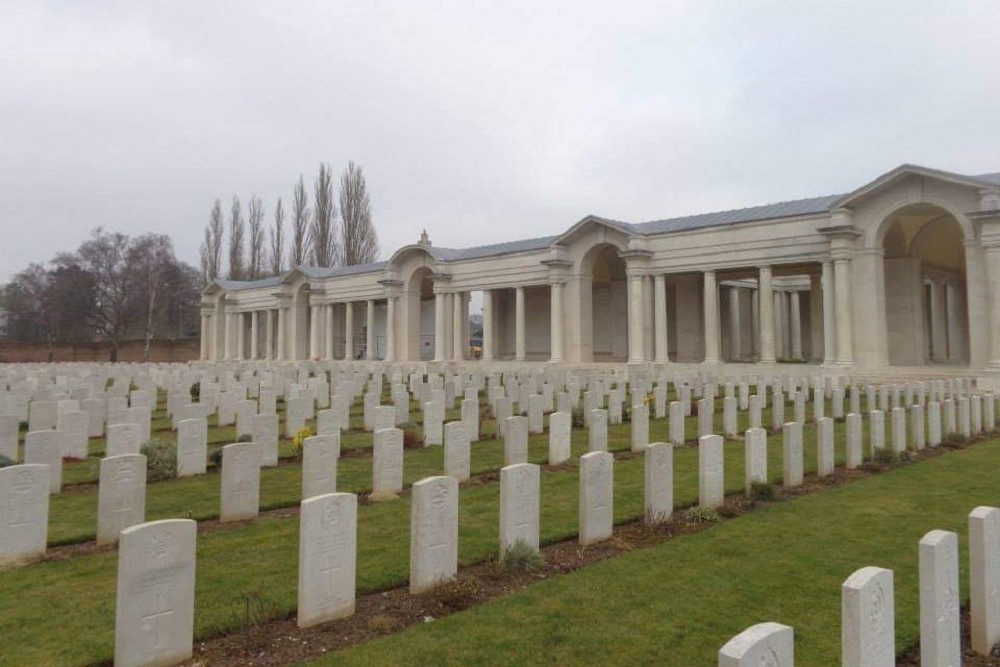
6,461
411,437
253,608
299,440
195,392
22,426
457,594
699,514
578,418
161,460
216,458
884,456
762,491
245,438
521,557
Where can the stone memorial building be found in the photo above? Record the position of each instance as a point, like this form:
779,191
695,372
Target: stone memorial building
903,272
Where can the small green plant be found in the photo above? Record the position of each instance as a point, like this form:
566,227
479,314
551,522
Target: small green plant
411,436
216,458
161,460
521,557
763,491
457,594
245,438
578,418
299,440
884,456
699,514
22,426
252,608
957,439
195,392
6,461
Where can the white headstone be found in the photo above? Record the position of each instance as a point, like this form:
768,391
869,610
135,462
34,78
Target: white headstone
24,511
328,544
122,439
676,423
519,506
192,447
711,489
295,416
9,425
240,498
154,614
387,462
470,415
596,497
898,430
940,597
824,446
659,485
265,434
457,451
433,532
515,440
75,427
640,427
984,578
319,464
854,451
755,456
121,495
868,619
44,447
761,645
597,434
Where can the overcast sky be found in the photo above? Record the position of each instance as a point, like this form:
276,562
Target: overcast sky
481,121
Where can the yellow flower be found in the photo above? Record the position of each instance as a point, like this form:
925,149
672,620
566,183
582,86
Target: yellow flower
299,439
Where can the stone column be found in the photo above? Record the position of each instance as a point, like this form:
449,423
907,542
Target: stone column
829,338
815,318
241,337
228,341
845,326
956,344
269,335
519,352
779,327
370,330
349,330
203,353
648,308
487,325
660,315
313,332
556,322
390,328
636,336
795,317
710,293
458,353
992,253
439,339
254,317
735,326
765,309
328,336
282,325
939,321
449,341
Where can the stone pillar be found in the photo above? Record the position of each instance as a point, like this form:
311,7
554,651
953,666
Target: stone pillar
829,338
795,317
939,321
459,328
370,330
449,340
203,353
282,325
439,338
660,315
710,293
765,309
487,325
240,335
735,326
779,327
390,328
349,331
314,317
845,326
254,321
269,335
993,302
636,334
815,318
648,307
328,327
519,352
956,342
556,322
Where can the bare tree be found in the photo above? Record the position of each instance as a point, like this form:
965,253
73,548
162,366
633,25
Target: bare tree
323,232
278,240
300,223
150,257
106,257
236,257
255,221
358,240
211,247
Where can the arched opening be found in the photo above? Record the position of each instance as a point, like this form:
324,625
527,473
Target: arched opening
420,309
604,301
925,287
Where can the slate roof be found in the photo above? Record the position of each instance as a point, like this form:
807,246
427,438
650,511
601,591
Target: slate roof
784,209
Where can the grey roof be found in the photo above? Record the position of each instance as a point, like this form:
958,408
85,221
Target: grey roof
989,178
354,269
236,285
493,250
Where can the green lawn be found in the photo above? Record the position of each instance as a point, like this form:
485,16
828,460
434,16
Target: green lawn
677,603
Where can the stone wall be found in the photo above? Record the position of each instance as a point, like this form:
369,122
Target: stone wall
185,349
